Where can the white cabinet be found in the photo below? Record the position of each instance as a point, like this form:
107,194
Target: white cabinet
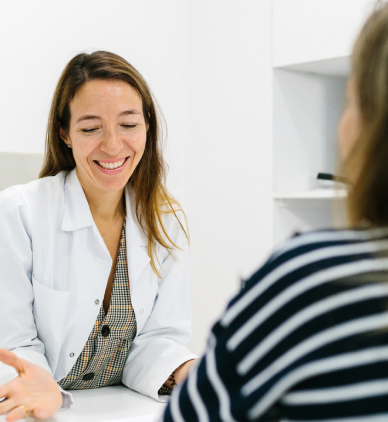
312,43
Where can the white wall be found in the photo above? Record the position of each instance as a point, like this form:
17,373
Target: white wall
209,65
307,31
40,37
229,159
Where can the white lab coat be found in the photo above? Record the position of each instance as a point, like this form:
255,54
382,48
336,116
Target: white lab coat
54,268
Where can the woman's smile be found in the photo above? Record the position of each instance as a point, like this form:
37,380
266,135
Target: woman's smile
112,166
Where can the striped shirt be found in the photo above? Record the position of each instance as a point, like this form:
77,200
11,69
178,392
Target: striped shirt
305,340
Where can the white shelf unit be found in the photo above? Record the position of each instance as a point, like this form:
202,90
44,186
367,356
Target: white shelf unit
335,66
307,109
330,194
311,63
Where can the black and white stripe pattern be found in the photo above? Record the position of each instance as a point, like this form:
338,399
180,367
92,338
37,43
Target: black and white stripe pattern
305,340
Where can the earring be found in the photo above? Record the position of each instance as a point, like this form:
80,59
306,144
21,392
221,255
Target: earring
68,146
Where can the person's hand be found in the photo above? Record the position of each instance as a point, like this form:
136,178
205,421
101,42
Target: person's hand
33,392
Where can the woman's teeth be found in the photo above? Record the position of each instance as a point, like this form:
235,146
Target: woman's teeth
111,166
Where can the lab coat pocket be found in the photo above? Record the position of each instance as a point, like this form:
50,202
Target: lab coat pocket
50,308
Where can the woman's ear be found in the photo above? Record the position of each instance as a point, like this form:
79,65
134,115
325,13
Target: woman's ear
64,136
147,125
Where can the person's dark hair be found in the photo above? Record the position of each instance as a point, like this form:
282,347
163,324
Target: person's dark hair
367,164
148,179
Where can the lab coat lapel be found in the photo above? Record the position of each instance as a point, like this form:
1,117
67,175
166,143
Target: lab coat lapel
92,256
77,215
137,255
77,212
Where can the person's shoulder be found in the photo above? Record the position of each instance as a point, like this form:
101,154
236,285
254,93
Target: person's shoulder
174,218
305,259
172,215
43,185
319,240
37,190
174,231
307,253
30,200
10,200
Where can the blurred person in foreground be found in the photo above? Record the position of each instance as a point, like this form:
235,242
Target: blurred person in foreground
307,337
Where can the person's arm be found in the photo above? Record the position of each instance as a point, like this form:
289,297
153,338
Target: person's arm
18,332
17,327
159,349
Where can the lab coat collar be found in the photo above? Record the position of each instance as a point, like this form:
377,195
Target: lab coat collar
77,212
137,253
77,216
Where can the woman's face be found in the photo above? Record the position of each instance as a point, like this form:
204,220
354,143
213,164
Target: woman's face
107,133
349,127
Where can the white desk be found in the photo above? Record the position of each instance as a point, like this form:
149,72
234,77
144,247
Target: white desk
106,404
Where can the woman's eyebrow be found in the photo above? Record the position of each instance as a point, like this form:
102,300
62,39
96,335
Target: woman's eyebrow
123,113
87,117
132,111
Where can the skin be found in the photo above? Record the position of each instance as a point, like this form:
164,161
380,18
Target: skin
107,124
349,126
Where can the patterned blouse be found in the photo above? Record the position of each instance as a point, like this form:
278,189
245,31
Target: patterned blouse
102,360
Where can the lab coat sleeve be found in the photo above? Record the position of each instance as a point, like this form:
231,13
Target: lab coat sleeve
18,331
160,347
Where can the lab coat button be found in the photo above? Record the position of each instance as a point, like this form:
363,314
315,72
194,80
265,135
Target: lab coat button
88,377
142,311
71,355
96,301
105,331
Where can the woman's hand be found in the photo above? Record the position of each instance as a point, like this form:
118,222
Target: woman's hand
33,392
180,374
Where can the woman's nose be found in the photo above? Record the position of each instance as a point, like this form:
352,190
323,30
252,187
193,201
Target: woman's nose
111,144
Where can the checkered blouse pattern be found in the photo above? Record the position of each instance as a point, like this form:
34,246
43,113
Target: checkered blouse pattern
102,360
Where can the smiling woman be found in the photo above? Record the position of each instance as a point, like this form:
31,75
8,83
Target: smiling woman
107,130
111,101
93,263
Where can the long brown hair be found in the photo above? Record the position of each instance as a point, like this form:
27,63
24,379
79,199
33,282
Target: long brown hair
367,163
148,179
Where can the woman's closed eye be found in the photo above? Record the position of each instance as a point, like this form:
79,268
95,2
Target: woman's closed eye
90,130
127,126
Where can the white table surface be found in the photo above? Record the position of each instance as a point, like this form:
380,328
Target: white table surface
107,404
